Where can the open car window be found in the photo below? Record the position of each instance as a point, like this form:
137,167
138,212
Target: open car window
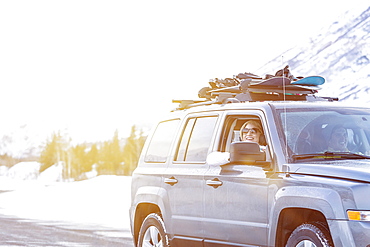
231,132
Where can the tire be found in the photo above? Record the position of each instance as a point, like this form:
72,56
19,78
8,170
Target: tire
152,232
310,235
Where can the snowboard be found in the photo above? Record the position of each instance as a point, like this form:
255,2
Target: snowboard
257,88
288,89
310,81
247,75
272,82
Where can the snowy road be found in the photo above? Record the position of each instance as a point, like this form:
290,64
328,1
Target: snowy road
88,213
33,233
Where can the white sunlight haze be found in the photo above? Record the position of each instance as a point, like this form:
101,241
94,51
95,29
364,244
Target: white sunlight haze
91,67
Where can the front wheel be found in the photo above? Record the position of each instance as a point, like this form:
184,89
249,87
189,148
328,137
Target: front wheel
310,235
152,232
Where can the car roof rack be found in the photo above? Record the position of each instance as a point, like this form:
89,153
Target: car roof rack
248,87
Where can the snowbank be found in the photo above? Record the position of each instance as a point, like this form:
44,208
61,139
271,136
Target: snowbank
52,174
24,171
103,200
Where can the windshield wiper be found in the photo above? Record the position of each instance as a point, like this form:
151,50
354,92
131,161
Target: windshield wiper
329,155
348,155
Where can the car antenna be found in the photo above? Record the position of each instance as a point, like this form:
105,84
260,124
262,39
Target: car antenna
284,99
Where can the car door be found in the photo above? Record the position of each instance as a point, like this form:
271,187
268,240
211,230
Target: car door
184,179
236,198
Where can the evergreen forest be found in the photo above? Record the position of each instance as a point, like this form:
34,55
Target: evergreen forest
112,157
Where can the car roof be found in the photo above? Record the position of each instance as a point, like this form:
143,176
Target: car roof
268,105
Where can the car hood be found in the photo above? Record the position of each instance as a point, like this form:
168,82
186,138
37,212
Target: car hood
345,169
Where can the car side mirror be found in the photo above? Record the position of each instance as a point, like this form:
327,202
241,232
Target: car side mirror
218,158
246,153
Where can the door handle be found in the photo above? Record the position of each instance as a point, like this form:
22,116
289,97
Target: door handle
171,181
214,182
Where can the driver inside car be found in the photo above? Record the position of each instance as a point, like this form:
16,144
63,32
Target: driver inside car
338,140
252,131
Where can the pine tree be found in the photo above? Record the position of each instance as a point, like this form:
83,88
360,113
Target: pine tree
54,151
132,150
93,156
116,154
111,157
79,161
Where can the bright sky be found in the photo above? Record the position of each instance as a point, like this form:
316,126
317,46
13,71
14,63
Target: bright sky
91,67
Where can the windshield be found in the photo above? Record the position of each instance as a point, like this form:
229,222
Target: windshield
327,131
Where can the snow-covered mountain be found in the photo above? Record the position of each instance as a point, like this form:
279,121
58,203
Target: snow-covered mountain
340,53
22,141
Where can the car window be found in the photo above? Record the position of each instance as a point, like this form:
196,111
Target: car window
181,154
231,130
308,131
160,144
196,139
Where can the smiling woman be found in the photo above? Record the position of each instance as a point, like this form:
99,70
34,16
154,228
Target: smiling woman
251,131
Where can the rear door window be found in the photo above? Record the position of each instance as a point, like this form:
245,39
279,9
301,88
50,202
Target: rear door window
196,139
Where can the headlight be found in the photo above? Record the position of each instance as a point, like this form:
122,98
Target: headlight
358,215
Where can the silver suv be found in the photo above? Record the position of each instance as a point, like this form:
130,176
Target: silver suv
199,183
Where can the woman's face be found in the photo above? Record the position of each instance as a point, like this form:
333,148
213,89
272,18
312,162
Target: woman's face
251,133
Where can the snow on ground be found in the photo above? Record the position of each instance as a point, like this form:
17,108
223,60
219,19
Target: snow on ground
103,200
